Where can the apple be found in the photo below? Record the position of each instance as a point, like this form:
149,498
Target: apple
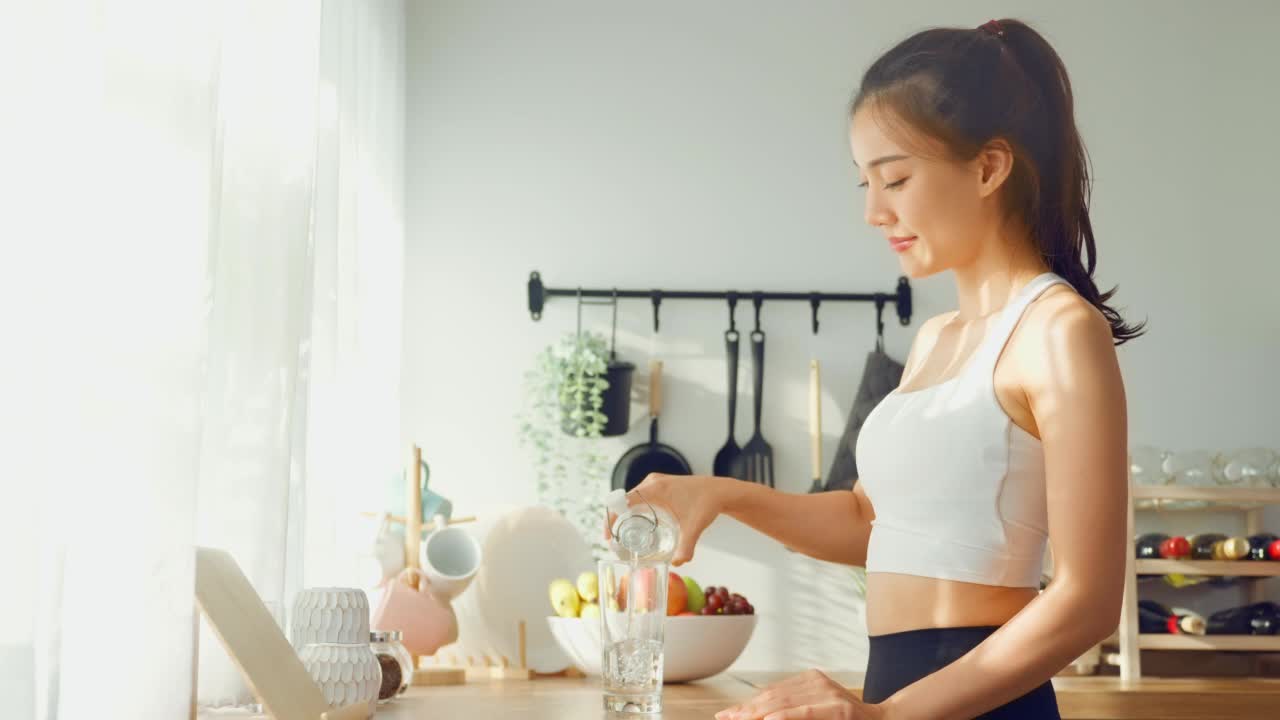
645,583
697,598
677,594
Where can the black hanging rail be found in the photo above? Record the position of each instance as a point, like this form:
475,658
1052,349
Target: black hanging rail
901,298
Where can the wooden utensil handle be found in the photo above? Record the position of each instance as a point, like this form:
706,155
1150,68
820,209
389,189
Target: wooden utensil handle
815,418
655,388
413,510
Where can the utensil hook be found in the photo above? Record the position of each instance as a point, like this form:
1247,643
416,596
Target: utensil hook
656,296
733,307
880,323
757,298
578,333
613,332
613,336
814,301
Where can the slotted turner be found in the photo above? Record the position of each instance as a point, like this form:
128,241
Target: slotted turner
757,455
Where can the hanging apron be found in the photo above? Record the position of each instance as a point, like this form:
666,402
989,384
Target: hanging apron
879,377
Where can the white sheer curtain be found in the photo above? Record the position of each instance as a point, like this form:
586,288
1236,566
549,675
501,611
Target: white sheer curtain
201,306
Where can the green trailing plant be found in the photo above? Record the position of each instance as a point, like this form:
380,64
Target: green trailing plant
562,423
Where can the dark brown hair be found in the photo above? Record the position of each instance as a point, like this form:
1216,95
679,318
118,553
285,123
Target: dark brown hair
967,87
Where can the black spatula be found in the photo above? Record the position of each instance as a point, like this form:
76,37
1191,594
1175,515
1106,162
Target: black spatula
728,462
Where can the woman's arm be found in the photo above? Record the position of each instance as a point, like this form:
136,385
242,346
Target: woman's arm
832,526
1076,395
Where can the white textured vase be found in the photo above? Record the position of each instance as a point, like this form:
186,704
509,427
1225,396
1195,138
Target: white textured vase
346,674
330,615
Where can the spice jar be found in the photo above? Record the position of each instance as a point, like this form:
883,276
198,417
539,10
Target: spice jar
396,663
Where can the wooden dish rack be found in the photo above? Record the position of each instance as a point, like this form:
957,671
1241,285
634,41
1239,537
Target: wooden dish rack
451,668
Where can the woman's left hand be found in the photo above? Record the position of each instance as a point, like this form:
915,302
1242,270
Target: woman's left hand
811,696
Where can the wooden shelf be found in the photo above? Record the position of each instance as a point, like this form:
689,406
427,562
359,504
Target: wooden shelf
1155,499
1219,498
1253,643
1237,568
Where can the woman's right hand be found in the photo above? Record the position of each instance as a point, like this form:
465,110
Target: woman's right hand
694,501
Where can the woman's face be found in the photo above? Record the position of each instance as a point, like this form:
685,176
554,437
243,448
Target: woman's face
938,204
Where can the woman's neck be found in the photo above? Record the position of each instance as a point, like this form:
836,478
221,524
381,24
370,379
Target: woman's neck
986,285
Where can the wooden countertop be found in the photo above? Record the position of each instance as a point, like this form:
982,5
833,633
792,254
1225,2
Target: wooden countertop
1096,698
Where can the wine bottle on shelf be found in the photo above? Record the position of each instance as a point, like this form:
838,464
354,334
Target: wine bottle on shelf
1202,545
1261,618
1147,547
1232,548
1261,546
1190,622
1264,618
1153,617
1175,548
1156,618
1265,621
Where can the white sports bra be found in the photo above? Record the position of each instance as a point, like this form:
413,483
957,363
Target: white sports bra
957,487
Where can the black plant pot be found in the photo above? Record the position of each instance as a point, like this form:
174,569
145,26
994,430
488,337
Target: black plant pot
616,400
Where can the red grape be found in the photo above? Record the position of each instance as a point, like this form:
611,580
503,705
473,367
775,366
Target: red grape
722,602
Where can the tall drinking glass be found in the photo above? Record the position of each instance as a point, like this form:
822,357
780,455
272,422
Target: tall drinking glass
633,611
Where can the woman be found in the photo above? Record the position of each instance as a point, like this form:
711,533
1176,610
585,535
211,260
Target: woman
1009,427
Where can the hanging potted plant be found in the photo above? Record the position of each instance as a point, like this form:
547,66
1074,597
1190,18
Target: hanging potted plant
593,387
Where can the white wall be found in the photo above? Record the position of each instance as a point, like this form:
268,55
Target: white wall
702,145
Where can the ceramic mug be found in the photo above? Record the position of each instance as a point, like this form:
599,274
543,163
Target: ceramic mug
432,503
450,558
425,621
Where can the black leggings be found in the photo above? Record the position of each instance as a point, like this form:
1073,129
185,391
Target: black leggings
898,659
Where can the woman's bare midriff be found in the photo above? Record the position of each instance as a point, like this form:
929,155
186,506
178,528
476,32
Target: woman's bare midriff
896,603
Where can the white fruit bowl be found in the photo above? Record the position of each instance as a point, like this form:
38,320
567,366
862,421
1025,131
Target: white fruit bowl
696,646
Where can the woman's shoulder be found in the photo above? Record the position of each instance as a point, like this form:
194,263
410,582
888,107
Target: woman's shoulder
1062,325
1060,311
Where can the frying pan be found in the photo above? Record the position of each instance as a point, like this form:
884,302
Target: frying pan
652,456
